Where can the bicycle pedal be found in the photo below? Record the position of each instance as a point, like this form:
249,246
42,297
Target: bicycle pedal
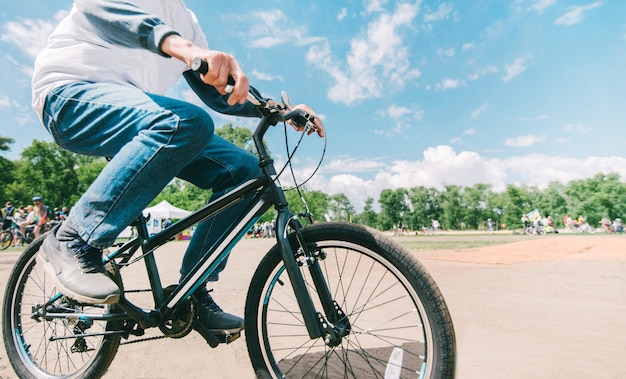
228,337
214,339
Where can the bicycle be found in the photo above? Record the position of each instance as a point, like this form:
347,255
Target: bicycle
584,228
14,233
532,230
7,236
328,300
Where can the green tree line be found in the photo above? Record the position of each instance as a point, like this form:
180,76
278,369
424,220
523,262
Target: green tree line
60,177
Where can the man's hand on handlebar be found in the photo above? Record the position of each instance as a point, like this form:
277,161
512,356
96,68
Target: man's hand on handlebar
307,121
311,118
223,72
221,67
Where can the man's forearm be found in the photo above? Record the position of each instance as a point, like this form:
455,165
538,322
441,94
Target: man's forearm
125,24
180,48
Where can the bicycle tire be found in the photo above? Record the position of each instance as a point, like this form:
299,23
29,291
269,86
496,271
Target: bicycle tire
392,304
27,338
6,239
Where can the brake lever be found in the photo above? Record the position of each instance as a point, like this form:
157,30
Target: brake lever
285,99
304,120
300,120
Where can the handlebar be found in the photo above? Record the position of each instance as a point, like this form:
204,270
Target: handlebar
270,109
202,66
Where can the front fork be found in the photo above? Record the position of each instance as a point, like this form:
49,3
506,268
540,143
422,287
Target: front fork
333,324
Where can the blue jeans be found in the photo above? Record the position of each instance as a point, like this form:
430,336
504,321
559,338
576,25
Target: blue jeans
151,140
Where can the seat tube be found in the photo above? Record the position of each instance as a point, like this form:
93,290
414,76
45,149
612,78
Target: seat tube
150,262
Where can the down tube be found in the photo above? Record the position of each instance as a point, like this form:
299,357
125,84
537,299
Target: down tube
211,260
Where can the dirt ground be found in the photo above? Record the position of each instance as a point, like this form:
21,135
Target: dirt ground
541,307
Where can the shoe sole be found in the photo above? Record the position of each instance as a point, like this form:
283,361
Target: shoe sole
47,266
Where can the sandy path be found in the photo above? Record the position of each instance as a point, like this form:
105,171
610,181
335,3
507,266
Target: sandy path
547,307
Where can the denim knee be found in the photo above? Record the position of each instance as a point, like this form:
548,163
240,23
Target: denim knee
195,128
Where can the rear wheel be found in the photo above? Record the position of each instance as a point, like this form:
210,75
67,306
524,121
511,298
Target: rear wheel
42,344
399,322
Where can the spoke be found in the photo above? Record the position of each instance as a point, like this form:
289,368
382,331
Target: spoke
346,290
285,308
302,355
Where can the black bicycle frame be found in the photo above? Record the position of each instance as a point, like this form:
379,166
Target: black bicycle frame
267,192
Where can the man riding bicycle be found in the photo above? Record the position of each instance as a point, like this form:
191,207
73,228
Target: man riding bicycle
42,215
98,88
7,215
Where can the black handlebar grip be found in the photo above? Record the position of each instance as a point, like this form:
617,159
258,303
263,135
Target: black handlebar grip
200,65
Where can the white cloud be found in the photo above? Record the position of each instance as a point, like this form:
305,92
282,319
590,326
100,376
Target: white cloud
448,83
459,139
514,69
524,141
395,112
577,128
481,72
372,6
402,118
477,112
342,14
378,59
443,12
442,166
576,14
274,28
30,35
536,118
540,169
6,102
350,165
445,53
25,118
265,76
439,166
540,5
562,140
468,46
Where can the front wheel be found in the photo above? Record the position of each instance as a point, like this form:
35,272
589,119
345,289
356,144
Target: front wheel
6,238
52,339
399,323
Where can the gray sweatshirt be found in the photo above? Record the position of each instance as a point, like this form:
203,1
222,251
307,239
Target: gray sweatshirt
115,42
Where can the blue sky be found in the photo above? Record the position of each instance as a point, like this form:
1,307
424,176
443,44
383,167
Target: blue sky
412,93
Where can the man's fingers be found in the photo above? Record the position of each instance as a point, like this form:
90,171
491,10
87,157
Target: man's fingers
223,71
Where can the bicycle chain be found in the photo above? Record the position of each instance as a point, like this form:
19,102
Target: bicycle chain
146,339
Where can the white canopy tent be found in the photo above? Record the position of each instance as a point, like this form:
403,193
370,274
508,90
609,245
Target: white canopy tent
165,210
160,212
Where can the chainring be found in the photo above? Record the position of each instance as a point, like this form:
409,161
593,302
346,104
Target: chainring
183,318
